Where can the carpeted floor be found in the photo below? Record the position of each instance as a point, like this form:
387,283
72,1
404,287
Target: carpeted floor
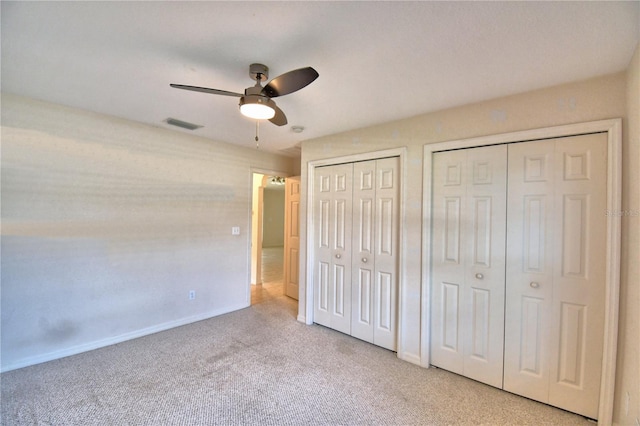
257,366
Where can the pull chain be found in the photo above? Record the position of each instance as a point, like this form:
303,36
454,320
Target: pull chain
257,130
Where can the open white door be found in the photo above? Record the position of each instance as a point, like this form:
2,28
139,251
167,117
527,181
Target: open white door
256,228
292,236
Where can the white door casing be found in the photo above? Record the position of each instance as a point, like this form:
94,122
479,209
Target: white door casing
257,179
257,237
291,259
468,262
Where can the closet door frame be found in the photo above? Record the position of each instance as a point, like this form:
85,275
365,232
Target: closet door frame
613,128
310,243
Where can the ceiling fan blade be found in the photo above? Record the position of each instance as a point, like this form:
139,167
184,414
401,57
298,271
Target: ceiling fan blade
279,119
290,82
206,90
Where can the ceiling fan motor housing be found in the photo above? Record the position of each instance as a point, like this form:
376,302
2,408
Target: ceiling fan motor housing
259,72
257,99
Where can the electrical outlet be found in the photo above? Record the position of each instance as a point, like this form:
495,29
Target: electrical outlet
235,230
192,294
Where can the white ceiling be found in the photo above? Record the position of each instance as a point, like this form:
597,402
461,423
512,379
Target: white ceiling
378,61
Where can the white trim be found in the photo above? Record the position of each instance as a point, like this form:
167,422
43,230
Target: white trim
75,350
270,172
308,300
612,296
266,172
613,128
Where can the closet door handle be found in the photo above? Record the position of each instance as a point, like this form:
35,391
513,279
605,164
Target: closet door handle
338,256
364,260
534,284
479,276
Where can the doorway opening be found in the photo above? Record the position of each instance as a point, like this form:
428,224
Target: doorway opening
267,241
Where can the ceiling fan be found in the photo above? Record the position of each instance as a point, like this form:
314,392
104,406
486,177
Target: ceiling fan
256,101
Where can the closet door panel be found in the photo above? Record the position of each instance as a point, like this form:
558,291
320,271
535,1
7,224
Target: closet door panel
484,241
468,265
363,257
322,293
356,212
323,259
481,208
386,259
451,340
363,312
374,256
448,261
332,269
579,289
385,300
531,330
529,269
479,332
451,228
556,272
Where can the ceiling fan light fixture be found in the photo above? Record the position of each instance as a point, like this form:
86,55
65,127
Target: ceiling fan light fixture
256,102
257,107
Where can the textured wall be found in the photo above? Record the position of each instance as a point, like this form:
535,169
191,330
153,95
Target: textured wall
108,224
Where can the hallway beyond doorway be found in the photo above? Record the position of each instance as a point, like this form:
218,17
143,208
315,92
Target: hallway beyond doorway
272,278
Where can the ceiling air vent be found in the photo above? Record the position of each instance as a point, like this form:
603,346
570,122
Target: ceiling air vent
183,124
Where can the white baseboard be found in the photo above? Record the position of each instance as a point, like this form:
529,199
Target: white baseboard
75,350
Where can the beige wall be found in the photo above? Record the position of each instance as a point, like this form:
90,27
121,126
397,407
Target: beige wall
273,220
108,224
595,99
628,377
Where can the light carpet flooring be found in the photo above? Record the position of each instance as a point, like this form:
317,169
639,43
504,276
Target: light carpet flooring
256,366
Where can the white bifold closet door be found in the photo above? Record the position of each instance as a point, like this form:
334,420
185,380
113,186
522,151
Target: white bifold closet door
333,198
540,302
555,292
469,214
356,256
